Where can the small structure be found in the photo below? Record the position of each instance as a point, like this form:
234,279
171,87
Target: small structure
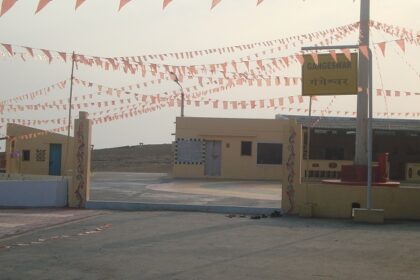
254,149
332,145
37,152
36,158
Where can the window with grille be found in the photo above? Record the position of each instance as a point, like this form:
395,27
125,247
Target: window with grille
40,155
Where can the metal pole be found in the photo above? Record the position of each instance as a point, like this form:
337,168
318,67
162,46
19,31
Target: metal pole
362,97
182,100
69,122
71,94
308,145
308,137
174,77
369,135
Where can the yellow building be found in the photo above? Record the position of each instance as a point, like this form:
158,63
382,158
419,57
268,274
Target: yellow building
35,151
233,148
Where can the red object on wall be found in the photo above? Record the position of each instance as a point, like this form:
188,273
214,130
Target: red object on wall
383,175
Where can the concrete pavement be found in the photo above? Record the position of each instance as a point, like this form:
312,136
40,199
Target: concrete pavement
160,188
175,245
19,221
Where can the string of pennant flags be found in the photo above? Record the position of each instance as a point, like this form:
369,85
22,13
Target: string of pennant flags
8,4
7,105
250,69
245,71
252,104
273,45
245,105
63,104
37,93
190,100
133,65
409,35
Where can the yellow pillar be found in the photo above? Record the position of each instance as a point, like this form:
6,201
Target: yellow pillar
79,187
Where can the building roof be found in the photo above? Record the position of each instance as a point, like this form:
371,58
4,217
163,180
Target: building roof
350,123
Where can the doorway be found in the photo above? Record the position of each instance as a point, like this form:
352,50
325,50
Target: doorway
213,158
55,160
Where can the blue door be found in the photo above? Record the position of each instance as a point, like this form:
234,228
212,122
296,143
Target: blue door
55,160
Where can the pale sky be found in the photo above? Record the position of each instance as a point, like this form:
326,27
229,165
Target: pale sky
141,27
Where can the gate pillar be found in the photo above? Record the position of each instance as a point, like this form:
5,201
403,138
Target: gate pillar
79,186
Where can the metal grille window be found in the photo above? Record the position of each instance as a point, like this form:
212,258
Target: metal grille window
40,155
269,153
246,148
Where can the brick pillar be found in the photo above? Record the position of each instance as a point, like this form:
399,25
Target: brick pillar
79,187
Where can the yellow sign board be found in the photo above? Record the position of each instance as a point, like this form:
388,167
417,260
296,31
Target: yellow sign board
329,77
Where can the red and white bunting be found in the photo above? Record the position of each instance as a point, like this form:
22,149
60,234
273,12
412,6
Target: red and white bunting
347,53
9,49
333,55
382,46
123,3
165,3
365,51
78,3
214,3
300,59
401,44
30,51
47,54
315,57
41,5
6,6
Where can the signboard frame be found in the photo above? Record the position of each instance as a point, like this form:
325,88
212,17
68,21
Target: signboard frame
330,75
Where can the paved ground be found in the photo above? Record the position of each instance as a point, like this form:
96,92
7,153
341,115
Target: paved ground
161,245
159,188
18,221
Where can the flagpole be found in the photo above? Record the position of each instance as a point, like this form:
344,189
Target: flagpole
308,143
69,120
71,94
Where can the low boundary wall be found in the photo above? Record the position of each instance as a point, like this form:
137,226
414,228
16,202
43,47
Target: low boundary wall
34,192
335,201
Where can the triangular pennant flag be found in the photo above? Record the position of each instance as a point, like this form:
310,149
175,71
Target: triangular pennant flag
41,5
48,54
165,3
259,2
63,55
78,3
8,47
30,51
300,58
315,57
6,5
347,53
286,60
364,50
333,55
123,3
246,62
215,3
401,44
381,46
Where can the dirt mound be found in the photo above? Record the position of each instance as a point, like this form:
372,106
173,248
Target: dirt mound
142,158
